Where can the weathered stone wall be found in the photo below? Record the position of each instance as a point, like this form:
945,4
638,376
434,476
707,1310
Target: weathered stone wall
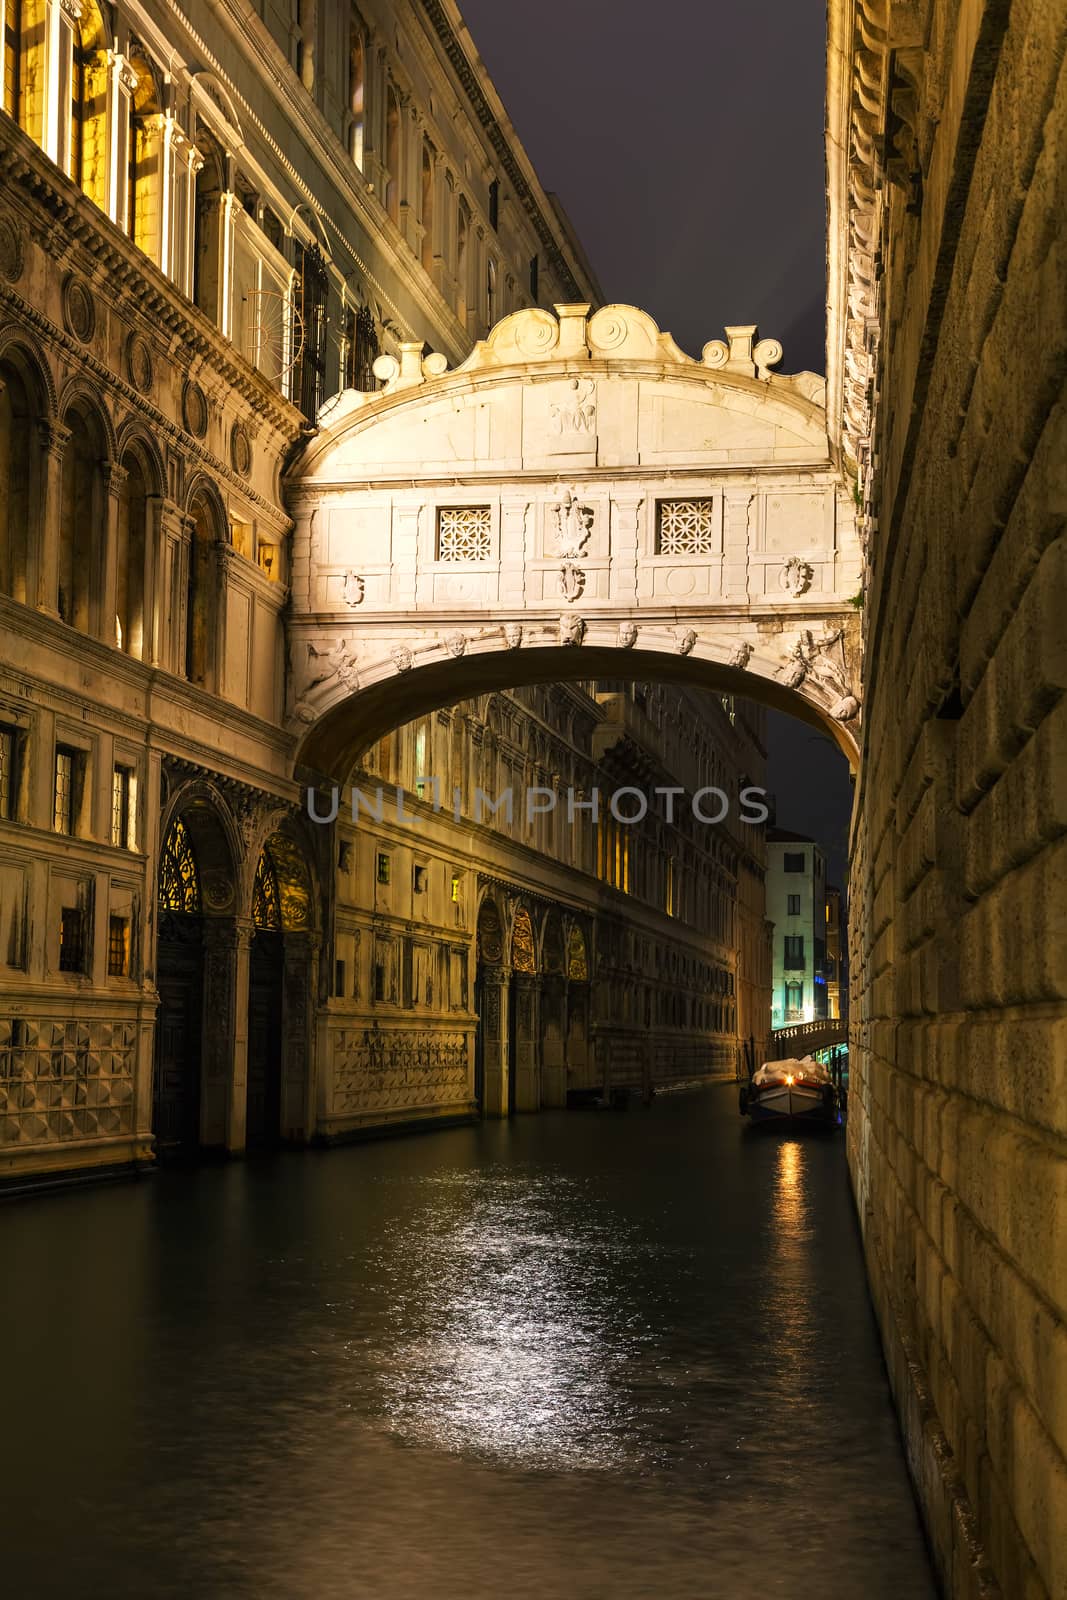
959,1080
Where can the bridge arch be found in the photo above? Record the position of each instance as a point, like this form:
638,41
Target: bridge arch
579,499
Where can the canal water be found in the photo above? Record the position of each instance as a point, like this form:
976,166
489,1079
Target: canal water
577,1356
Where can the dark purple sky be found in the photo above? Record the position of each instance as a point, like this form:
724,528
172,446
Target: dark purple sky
685,140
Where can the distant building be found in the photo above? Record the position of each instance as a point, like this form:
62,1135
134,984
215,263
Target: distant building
796,904
836,953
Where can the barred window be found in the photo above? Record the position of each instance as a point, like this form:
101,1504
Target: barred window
118,947
8,782
685,527
464,533
361,350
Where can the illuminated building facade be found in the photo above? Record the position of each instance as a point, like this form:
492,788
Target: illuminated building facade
212,219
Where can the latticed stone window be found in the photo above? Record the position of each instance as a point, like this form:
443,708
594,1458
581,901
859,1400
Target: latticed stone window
685,527
464,533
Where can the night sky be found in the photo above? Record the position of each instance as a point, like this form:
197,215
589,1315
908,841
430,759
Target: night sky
685,140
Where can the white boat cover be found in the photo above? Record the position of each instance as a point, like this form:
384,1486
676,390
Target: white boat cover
775,1071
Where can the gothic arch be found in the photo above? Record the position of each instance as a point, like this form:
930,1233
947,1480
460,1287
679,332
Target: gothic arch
213,834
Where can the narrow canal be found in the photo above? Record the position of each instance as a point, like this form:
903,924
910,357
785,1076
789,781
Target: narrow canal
577,1355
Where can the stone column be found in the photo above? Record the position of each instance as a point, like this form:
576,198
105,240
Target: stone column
494,1025
45,585
224,1051
517,549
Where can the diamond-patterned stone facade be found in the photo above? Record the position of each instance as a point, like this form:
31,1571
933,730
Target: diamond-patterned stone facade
685,528
464,533
65,1080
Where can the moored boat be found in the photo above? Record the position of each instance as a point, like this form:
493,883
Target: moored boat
791,1091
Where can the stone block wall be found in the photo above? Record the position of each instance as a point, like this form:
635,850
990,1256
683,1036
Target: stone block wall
958,1127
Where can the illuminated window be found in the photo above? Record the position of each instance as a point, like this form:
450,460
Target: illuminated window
421,741
12,54
118,947
357,70
179,880
71,939
384,867
455,887
123,802
67,787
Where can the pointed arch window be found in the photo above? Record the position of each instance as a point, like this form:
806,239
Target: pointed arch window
179,879
266,907
523,958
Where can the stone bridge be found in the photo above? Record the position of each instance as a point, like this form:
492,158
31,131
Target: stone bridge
580,499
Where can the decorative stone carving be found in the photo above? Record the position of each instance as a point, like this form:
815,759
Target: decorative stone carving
435,365
766,355
686,642
571,630
796,576
577,414
194,409
240,450
513,635
456,644
571,581
354,589
79,309
323,666
139,363
816,662
12,253
402,658
627,635
386,369
573,525
741,656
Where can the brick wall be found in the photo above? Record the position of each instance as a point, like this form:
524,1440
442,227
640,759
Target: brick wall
958,1127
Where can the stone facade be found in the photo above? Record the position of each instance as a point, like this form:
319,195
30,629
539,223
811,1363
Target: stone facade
316,194
948,159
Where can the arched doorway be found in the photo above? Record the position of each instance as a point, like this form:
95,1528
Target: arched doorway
524,1053
281,983
179,980
491,1006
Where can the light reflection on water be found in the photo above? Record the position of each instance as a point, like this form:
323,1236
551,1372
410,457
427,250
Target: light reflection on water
519,1351
566,1358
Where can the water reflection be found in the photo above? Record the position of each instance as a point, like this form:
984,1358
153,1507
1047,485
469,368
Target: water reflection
516,1346
566,1358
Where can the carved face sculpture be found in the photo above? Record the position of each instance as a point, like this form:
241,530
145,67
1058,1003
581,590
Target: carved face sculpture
742,655
627,635
687,641
456,643
513,635
571,630
402,658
